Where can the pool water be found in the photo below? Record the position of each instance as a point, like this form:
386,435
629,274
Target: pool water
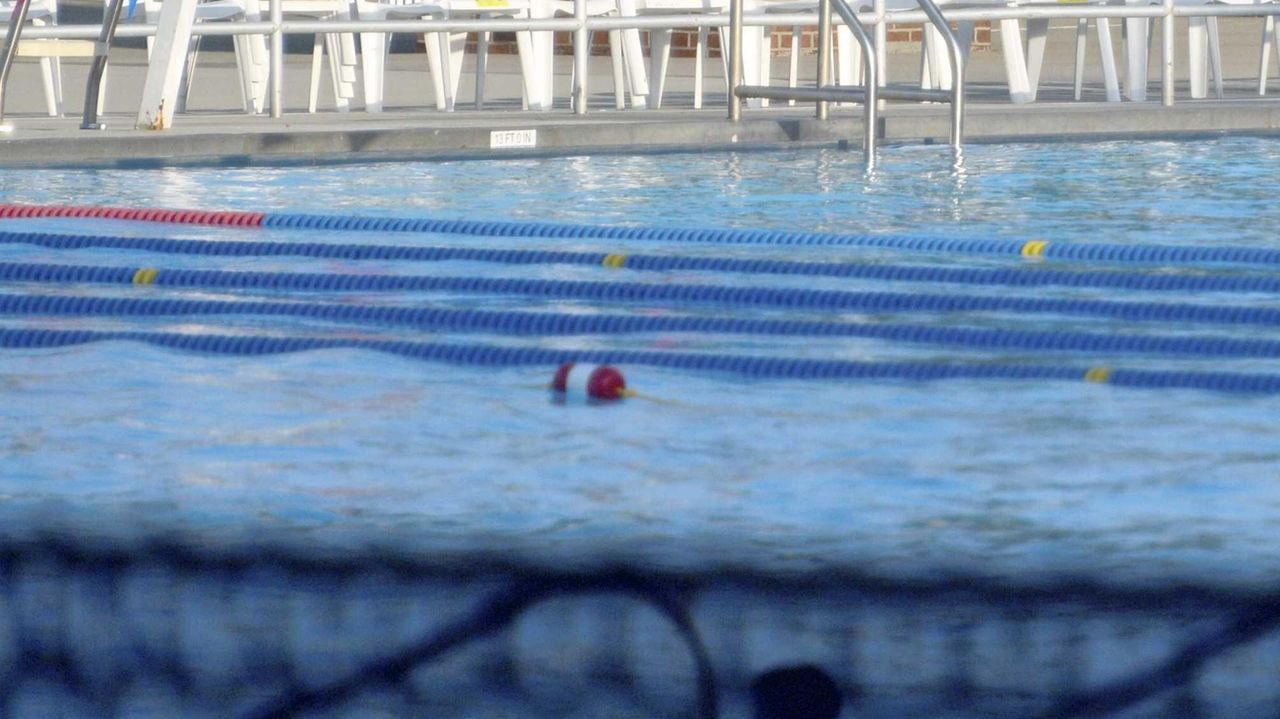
345,447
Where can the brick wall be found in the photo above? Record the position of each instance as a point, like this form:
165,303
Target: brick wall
684,41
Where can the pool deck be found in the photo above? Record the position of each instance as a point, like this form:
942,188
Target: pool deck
215,132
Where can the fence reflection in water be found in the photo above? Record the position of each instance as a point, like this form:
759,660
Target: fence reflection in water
165,629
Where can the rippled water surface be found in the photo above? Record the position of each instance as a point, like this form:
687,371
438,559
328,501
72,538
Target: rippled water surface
342,447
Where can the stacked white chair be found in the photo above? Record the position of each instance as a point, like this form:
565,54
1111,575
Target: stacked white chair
340,48
1204,52
445,51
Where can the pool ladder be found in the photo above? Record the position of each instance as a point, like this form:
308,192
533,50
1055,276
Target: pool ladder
870,94
13,36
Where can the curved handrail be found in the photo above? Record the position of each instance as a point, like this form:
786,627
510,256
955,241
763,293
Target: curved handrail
94,84
957,68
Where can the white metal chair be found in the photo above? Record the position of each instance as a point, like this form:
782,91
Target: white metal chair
39,14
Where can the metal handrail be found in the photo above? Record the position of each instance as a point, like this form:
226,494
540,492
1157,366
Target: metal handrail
94,84
870,74
16,21
957,68
869,94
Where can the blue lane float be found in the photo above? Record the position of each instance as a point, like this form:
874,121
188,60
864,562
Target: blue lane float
747,366
560,324
1095,252
1038,248
1020,277
645,293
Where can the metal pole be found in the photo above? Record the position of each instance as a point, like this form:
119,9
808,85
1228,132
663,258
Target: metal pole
735,59
824,53
277,60
16,21
94,85
581,54
1166,70
957,97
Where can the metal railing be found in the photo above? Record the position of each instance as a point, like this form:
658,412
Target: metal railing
869,93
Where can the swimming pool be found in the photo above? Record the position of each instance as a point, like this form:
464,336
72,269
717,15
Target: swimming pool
343,446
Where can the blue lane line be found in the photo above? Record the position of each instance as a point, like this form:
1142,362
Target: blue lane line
759,367
1094,252
632,292
1021,276
542,324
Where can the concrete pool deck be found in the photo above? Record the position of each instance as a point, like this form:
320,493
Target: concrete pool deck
214,131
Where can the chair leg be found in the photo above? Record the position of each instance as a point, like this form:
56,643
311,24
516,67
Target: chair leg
1215,56
926,67
659,60
454,47
51,78
435,65
1110,79
793,67
1082,40
1197,52
847,57
255,71
766,60
1015,65
482,65
102,90
1037,34
244,72
51,103
633,56
699,55
1264,60
619,69
317,55
189,71
341,48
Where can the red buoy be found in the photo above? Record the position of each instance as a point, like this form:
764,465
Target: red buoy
600,382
